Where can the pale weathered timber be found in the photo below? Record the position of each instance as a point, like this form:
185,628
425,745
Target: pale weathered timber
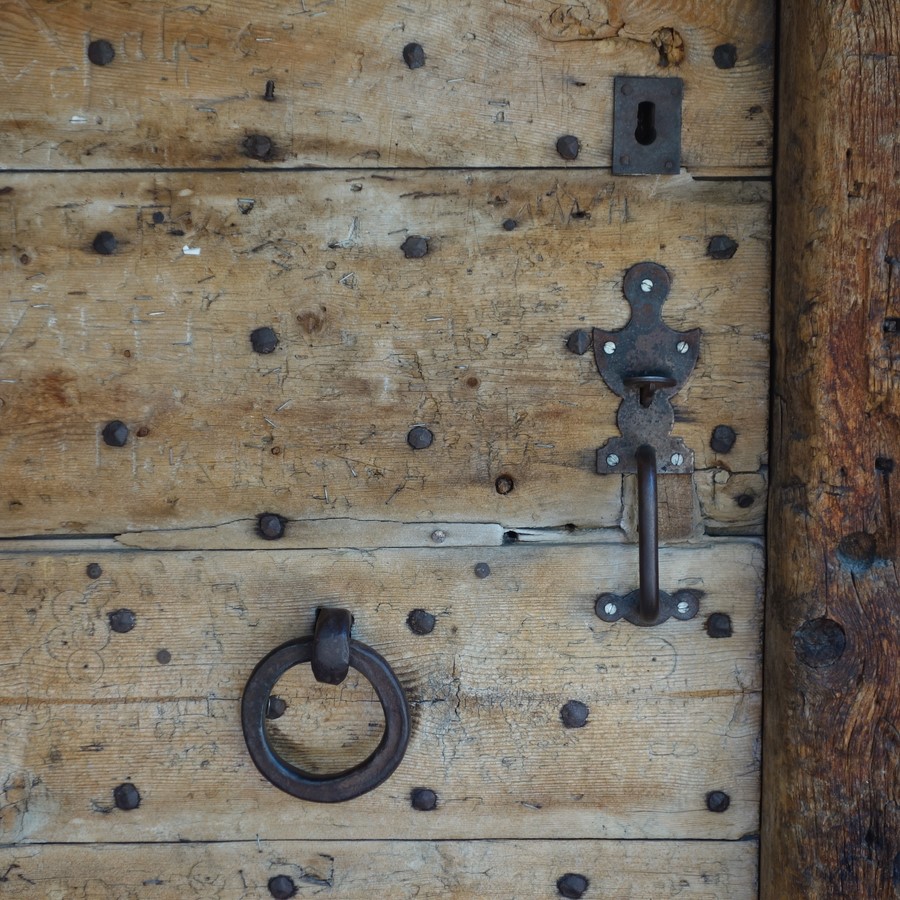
501,82
732,504
468,341
674,713
616,870
831,816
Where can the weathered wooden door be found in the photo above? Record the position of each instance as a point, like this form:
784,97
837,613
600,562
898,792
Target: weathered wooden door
341,300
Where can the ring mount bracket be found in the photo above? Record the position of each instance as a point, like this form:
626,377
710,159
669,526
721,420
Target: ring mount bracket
326,650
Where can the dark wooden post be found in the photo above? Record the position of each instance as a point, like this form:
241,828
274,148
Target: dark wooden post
831,783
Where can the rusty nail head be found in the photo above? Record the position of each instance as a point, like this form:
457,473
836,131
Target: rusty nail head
276,707
414,55
745,501
121,620
725,56
263,340
126,796
93,570
271,526
721,246
568,146
504,484
415,246
574,714
482,570
270,91
819,642
105,243
423,799
439,536
572,885
115,433
723,438
579,341
259,146
718,625
510,225
419,437
163,657
420,621
282,887
717,801
101,53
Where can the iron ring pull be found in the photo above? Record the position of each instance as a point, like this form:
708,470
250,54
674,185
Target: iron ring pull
332,652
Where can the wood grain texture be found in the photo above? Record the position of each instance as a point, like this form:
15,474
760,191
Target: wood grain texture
617,870
832,785
501,82
468,340
673,713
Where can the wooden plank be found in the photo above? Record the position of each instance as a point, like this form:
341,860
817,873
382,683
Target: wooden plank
831,816
673,715
468,341
501,82
395,869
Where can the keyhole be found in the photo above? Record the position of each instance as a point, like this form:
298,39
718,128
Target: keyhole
645,133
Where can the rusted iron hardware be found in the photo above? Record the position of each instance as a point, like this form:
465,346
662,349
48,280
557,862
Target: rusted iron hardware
332,653
647,126
644,363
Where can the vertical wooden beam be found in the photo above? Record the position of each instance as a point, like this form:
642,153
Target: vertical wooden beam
831,795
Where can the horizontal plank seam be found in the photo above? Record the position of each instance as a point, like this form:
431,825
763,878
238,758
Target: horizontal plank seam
752,174
747,838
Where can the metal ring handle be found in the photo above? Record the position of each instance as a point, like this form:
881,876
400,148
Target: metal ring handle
352,782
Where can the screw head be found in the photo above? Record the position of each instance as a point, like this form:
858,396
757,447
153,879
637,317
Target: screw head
126,796
419,437
677,459
574,714
610,609
415,246
646,285
609,348
717,801
482,570
439,536
420,621
115,433
612,460
683,606
625,159
263,340
568,146
101,53
105,243
682,347
423,799
414,56
282,887
122,621
572,885
270,526
668,165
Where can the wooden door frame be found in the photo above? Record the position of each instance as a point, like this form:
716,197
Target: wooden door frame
831,733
